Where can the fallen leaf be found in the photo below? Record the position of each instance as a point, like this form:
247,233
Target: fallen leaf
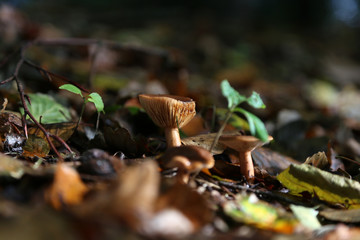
193,206
133,199
67,188
204,141
62,130
306,216
325,185
11,167
251,210
318,160
35,146
120,139
348,216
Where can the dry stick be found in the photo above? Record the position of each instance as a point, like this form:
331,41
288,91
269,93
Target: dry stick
26,109
27,112
49,74
89,41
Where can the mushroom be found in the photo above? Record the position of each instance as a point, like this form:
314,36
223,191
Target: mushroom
169,112
244,145
187,159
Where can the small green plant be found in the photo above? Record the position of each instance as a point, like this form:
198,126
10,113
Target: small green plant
92,97
234,98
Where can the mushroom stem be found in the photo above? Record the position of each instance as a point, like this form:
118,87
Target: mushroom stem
246,165
172,137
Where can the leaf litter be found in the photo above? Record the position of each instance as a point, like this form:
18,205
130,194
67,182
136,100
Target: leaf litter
114,185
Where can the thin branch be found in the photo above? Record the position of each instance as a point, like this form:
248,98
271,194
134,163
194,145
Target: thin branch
50,74
89,41
27,112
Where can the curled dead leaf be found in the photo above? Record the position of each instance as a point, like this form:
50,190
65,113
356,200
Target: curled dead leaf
67,188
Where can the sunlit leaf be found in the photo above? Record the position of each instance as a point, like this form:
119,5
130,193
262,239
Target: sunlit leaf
250,210
255,101
233,97
256,126
235,120
325,185
11,167
97,100
204,141
306,216
71,88
46,108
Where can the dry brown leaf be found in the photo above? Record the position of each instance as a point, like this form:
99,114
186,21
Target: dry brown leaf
62,130
193,206
137,191
204,141
67,188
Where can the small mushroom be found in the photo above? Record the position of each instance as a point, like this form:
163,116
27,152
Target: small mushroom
188,160
244,145
169,112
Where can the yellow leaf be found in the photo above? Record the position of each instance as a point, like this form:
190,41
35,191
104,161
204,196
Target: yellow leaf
327,186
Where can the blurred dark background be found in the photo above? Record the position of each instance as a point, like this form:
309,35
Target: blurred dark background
282,38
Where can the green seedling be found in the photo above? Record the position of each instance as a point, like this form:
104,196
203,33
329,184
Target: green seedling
92,97
234,98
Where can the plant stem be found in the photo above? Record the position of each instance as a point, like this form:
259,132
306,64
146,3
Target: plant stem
81,114
216,139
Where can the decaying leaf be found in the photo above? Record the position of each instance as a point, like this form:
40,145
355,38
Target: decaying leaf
325,185
67,188
62,130
36,146
273,162
120,139
10,122
11,167
348,216
193,206
318,160
133,200
204,141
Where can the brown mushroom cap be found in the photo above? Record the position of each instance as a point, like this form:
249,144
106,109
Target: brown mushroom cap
190,158
242,143
168,111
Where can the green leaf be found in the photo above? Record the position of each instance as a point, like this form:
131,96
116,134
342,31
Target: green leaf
97,100
252,211
235,120
256,126
71,88
255,101
326,186
45,107
233,97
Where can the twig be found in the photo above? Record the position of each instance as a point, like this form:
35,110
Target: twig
49,74
216,139
23,101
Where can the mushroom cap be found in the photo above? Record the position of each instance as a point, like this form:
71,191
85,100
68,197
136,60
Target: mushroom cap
242,143
168,111
190,158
